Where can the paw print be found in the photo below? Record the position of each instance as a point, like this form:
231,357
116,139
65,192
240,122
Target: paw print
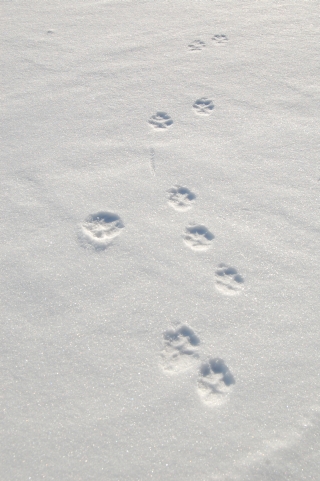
99,229
196,45
215,382
181,198
220,39
161,120
180,349
228,281
198,237
203,106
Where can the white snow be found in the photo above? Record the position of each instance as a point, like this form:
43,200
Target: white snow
149,145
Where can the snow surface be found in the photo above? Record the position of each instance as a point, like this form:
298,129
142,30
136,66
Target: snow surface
160,242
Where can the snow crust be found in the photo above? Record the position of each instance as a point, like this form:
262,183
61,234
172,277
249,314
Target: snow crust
160,240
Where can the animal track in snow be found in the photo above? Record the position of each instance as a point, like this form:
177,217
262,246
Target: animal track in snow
152,162
228,281
198,237
203,106
196,45
160,121
99,229
180,349
181,198
220,39
215,382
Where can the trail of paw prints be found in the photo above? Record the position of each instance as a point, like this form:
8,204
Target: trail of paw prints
228,281
220,39
98,230
198,237
196,45
180,349
215,382
160,121
180,198
203,106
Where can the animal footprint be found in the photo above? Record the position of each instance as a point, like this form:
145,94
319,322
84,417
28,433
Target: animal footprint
99,229
220,39
180,349
196,45
181,198
203,106
161,120
215,382
228,281
198,237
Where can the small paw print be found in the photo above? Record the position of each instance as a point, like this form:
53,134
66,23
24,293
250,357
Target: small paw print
98,230
203,106
220,39
198,237
180,349
181,198
196,45
215,382
160,120
228,281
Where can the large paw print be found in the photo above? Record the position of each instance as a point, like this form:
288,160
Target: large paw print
99,229
160,120
180,349
215,382
228,281
203,106
196,45
198,237
220,39
181,198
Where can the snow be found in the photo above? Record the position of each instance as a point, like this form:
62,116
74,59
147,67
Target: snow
160,243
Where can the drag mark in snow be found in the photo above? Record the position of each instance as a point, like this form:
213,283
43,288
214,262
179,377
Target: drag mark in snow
181,198
197,237
196,45
160,121
203,106
152,162
228,281
215,382
220,39
180,349
98,230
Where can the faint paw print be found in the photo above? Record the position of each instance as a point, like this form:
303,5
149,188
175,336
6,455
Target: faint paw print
196,45
203,106
161,120
220,39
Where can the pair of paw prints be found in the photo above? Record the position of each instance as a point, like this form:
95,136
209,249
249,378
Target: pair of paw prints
217,40
196,236
161,121
180,353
